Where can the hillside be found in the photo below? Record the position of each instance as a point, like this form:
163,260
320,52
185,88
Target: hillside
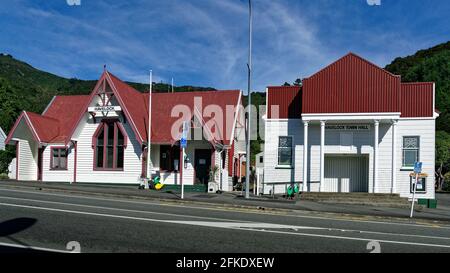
430,65
23,87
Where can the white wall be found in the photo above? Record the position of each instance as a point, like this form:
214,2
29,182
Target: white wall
49,175
85,166
172,178
427,132
27,153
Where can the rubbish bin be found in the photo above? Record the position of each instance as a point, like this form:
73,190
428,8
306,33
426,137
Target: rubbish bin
432,203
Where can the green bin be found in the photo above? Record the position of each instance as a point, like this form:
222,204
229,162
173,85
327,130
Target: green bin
423,202
432,203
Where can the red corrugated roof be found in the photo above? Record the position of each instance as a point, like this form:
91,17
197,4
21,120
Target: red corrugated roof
163,103
287,98
351,85
417,99
60,119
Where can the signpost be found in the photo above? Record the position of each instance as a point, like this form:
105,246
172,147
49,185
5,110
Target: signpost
417,171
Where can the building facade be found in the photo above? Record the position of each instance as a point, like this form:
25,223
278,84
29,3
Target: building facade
103,137
351,127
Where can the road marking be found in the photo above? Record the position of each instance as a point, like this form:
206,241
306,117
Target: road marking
233,222
34,248
225,227
244,225
119,209
226,209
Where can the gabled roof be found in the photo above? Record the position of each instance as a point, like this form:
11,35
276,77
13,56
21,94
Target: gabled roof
288,99
60,119
163,103
351,85
54,124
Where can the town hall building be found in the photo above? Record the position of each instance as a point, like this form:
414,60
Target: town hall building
351,127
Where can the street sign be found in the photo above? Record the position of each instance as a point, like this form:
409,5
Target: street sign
417,171
418,167
183,143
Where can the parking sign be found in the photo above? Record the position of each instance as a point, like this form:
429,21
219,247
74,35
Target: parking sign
418,167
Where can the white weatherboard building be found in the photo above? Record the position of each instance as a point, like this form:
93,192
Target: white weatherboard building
103,137
363,130
2,139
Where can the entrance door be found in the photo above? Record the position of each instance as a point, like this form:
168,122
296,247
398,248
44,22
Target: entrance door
39,165
202,166
346,174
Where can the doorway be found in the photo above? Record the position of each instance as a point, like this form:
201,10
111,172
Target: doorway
202,166
39,165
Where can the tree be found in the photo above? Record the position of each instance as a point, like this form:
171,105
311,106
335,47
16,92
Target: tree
442,157
298,82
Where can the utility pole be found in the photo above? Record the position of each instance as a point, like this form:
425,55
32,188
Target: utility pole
249,66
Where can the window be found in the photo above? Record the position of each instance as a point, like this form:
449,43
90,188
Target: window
58,159
285,151
169,157
261,159
411,147
109,143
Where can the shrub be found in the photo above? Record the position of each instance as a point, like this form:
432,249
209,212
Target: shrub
3,176
5,159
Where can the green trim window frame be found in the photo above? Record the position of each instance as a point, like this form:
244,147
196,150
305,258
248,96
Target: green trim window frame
285,151
411,151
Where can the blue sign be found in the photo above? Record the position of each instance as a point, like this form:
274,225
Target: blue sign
183,143
418,167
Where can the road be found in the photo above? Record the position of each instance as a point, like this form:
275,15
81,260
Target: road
32,220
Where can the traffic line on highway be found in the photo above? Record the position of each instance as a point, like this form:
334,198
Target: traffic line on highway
119,209
229,222
226,209
34,248
253,229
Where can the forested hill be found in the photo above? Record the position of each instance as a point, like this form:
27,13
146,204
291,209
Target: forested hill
430,65
23,87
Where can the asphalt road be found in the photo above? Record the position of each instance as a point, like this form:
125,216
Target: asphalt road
32,220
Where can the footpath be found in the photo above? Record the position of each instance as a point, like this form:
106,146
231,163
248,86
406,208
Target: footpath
236,200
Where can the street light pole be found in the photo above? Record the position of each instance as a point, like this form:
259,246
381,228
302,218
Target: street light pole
249,66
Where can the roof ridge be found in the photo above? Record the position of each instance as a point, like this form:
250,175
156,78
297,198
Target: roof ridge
351,54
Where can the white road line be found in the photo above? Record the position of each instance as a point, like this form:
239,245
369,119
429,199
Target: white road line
223,210
225,227
34,248
119,209
232,221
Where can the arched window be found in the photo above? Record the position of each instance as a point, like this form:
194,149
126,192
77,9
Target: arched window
109,143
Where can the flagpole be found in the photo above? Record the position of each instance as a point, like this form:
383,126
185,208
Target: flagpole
149,172
249,65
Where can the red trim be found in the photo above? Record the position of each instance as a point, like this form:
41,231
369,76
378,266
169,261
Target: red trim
28,122
51,158
17,159
84,109
124,133
125,110
104,126
105,77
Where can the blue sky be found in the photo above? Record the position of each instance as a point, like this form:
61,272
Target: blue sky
204,42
